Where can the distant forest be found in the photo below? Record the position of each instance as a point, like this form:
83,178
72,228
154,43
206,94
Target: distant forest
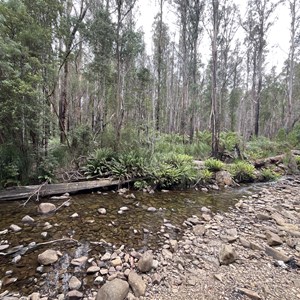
75,76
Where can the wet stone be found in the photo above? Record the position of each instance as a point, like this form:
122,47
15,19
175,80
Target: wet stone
15,228
74,283
79,261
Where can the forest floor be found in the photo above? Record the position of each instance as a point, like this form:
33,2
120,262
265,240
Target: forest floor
261,259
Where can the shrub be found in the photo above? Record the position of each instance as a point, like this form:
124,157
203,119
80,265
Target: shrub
268,174
173,169
214,165
243,171
229,140
98,163
205,176
129,165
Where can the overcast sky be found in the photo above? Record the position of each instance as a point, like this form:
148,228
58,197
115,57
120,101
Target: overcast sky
278,38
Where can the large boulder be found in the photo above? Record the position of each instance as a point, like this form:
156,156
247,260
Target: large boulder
224,178
45,208
116,289
137,284
146,261
48,257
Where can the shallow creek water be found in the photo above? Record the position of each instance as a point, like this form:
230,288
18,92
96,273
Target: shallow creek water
136,228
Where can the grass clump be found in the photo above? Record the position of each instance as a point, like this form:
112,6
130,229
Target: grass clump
243,171
214,165
268,174
205,176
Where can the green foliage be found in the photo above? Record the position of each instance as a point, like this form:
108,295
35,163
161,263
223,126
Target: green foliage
140,184
268,174
173,169
261,147
229,140
242,171
129,165
290,162
214,165
205,176
294,136
99,163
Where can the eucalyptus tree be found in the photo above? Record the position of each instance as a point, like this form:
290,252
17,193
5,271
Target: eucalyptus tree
258,23
161,41
71,20
294,8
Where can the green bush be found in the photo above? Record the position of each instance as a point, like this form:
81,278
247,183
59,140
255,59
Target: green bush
268,174
205,176
229,140
129,165
98,164
262,147
242,171
173,169
214,165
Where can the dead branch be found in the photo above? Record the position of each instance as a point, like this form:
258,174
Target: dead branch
36,193
62,205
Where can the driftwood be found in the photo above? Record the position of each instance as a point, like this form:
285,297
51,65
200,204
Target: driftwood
259,163
24,192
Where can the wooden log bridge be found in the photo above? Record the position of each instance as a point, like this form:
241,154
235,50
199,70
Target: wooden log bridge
24,192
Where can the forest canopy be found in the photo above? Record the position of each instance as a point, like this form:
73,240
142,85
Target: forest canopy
75,76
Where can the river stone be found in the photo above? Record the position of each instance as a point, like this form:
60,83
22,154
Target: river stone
116,289
15,228
46,208
27,219
278,219
227,255
137,284
106,256
167,254
116,262
3,247
74,283
75,215
145,262
249,293
48,257
223,178
102,211
16,259
273,239
151,209
79,261
35,296
174,245
245,243
93,269
74,295
199,230
276,254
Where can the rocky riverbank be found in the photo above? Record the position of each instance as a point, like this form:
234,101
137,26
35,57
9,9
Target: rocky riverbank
250,252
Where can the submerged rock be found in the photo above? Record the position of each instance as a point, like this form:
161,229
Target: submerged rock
15,228
48,257
45,208
27,219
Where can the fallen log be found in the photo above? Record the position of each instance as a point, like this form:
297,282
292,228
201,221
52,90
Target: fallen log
24,192
259,163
